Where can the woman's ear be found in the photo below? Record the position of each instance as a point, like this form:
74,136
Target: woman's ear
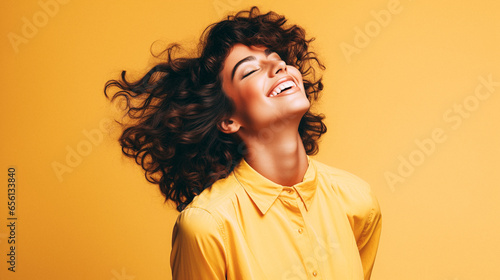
229,126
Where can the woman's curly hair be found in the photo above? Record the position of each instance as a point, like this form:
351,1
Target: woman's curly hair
177,106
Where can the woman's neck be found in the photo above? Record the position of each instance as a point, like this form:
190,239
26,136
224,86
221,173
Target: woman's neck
280,157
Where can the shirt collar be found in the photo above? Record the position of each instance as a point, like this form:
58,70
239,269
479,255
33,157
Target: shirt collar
264,192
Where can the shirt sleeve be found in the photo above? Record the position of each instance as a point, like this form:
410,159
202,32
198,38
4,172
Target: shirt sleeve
197,247
369,237
363,212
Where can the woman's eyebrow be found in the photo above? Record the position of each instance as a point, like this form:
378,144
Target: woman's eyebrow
246,59
267,52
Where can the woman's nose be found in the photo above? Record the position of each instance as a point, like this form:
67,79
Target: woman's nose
277,67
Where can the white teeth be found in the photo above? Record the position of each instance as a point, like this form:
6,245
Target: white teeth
277,90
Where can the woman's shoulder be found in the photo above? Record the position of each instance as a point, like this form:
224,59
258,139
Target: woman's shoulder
193,221
340,178
205,215
355,193
215,198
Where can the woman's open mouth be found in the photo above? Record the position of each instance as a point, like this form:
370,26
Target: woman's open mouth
282,87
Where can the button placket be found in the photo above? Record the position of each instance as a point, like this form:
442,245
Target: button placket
294,210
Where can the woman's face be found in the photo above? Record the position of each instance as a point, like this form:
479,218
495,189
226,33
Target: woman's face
264,89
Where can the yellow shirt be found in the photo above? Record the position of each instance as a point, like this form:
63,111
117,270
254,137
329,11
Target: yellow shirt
248,227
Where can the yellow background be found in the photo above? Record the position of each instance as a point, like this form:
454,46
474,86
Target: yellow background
100,219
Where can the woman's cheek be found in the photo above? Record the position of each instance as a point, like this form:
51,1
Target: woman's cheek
296,73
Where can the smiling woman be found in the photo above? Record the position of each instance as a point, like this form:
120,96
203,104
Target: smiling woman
227,136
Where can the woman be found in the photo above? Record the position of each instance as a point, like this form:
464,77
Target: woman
227,136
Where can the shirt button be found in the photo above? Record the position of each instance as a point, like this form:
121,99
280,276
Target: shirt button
290,190
300,230
315,273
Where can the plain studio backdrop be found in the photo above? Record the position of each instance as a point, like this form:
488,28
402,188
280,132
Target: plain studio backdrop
412,98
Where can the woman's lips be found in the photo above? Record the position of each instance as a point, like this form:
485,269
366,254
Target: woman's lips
283,86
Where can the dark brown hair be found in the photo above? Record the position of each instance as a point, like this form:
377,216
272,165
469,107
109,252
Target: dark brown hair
176,108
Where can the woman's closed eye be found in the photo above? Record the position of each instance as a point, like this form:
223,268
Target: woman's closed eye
253,68
248,73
